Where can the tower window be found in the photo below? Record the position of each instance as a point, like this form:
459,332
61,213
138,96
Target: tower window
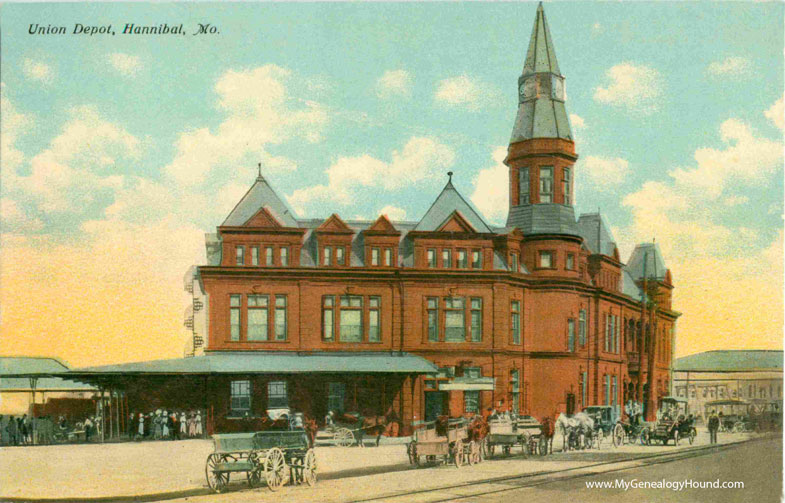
546,184
546,259
523,186
566,187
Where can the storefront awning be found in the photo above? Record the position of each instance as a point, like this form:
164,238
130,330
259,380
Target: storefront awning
270,363
468,384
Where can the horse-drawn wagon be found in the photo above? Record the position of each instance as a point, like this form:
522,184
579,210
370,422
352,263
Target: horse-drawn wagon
606,424
502,432
534,436
444,440
275,456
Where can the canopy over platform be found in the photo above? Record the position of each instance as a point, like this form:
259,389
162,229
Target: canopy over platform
30,366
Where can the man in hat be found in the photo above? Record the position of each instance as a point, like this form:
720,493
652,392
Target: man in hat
714,425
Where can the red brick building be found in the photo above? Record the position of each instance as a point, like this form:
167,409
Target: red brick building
540,316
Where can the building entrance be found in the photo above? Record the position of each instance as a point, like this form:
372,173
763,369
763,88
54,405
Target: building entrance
435,402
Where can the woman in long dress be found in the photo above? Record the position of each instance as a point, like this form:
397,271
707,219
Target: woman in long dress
165,425
199,424
183,425
191,424
141,425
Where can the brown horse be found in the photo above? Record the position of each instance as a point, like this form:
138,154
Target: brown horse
367,425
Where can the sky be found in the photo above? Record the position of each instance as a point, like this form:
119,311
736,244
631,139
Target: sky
119,152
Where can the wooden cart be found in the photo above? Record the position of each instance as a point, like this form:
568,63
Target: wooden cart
276,456
452,447
530,435
502,433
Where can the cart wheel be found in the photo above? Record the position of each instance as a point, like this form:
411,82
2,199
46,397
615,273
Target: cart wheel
472,451
542,446
507,449
344,437
457,453
309,468
692,436
216,480
411,451
275,469
645,437
255,475
618,435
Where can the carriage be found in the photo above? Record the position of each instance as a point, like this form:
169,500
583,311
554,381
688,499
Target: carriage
765,415
735,414
531,435
606,424
275,456
447,441
636,429
673,423
502,432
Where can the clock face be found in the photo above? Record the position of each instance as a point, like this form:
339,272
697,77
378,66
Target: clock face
529,88
557,88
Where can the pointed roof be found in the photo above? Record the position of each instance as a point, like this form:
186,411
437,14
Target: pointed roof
540,57
263,218
647,259
448,202
334,225
258,196
456,223
382,225
596,234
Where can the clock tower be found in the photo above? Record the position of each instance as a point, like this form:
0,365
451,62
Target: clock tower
541,154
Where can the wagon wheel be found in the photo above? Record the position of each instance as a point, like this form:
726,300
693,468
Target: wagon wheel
344,437
491,449
645,440
472,453
693,433
507,449
618,435
275,469
542,446
411,451
457,453
309,468
255,474
216,480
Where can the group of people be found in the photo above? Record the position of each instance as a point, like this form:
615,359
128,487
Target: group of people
165,425
42,430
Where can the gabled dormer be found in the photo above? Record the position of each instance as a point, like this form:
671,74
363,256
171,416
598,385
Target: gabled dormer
604,263
509,245
334,242
381,241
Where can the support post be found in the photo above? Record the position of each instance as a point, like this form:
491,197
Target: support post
103,420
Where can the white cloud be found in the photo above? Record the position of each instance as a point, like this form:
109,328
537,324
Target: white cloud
15,219
37,70
602,171
394,83
14,124
393,212
467,92
577,122
421,159
736,200
491,188
636,88
731,66
126,64
776,114
259,112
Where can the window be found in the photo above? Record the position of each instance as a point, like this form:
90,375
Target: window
240,257
514,262
374,324
339,258
254,255
240,396
546,184
614,393
566,187
476,319
336,393
280,317
257,317
571,335
276,395
328,317
351,324
433,319
546,259
582,327
606,386
463,261
454,320
234,316
516,390
328,255
388,260
268,256
476,259
523,185
374,256
431,258
446,259
515,321
584,388
284,256
570,265
471,399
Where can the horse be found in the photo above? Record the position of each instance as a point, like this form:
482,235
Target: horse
548,431
572,427
371,425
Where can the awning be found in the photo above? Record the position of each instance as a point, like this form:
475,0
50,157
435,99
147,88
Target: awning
468,384
267,362
23,384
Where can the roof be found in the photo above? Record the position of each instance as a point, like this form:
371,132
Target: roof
596,233
268,362
259,196
540,57
543,218
30,365
448,202
42,384
730,361
628,286
646,259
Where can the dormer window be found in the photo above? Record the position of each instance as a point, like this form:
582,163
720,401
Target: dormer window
254,255
328,256
446,259
476,259
240,257
284,256
388,259
268,256
374,256
462,259
514,267
431,255
339,257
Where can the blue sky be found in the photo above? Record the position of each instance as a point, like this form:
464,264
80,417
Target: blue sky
363,108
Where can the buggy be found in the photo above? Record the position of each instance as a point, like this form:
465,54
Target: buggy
606,424
444,440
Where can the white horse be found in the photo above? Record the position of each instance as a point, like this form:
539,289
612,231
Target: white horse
580,422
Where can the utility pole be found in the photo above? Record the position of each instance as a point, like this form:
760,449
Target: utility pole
649,307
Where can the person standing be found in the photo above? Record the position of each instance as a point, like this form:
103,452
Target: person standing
183,432
11,430
88,429
714,425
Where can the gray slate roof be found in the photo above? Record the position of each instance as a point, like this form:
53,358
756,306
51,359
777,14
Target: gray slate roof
647,254
30,365
628,286
43,384
268,362
258,196
540,57
592,225
544,218
446,203
731,360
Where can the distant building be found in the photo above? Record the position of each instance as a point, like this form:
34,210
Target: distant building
18,394
748,375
